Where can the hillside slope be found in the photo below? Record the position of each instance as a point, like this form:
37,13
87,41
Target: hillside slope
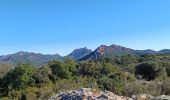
36,59
104,51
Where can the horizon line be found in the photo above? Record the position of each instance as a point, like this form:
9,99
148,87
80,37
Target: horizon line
43,53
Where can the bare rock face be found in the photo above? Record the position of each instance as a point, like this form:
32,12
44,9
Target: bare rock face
162,97
88,94
141,97
92,94
149,97
79,53
108,51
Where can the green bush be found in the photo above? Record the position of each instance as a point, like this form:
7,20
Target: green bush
59,70
42,75
148,71
112,83
19,78
89,68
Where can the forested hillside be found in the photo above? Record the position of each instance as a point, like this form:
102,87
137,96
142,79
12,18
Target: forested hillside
123,75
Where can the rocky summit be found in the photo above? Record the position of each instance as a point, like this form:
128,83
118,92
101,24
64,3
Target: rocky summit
92,94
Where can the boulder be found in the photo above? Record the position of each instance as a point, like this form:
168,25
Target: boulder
162,97
89,94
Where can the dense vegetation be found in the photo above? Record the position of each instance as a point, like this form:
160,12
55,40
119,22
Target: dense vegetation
123,75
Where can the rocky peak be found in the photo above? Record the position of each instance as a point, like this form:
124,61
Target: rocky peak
100,50
79,53
108,51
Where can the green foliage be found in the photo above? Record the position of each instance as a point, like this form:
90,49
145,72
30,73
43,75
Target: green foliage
71,64
126,59
19,78
4,69
143,87
147,70
59,70
151,71
89,68
161,74
166,65
108,68
117,74
168,71
113,84
42,75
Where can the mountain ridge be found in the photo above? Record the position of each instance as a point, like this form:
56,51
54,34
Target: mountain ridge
78,54
117,50
28,57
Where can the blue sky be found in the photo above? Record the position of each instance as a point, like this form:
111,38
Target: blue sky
59,26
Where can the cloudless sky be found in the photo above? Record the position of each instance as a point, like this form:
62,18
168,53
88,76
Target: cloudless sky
59,26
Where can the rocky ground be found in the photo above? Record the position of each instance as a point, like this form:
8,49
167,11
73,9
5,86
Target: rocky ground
92,94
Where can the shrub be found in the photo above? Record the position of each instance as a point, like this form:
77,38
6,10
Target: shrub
148,71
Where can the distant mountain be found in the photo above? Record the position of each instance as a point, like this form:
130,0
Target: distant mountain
79,53
102,51
148,51
116,50
28,57
108,51
164,51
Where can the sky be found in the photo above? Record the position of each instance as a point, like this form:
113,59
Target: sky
59,26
